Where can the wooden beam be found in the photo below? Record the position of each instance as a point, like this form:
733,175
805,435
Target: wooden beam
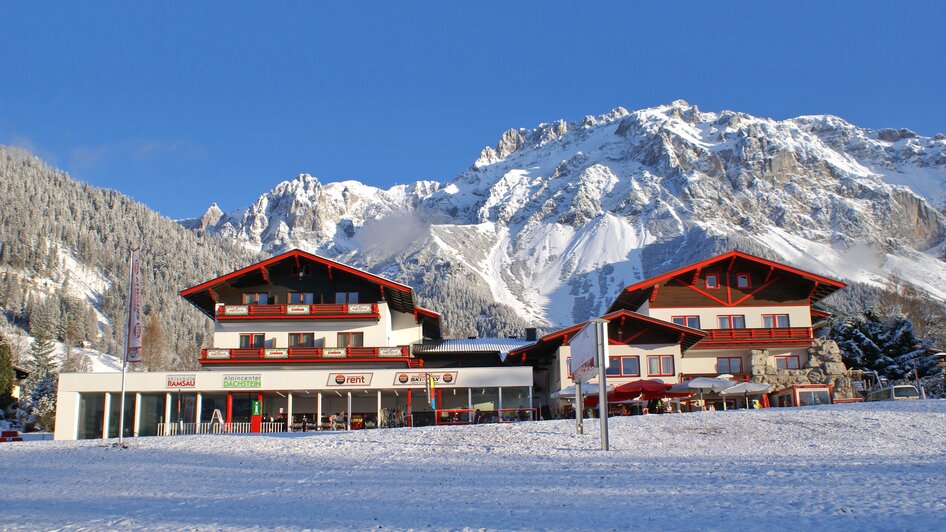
731,263
265,274
769,275
330,273
653,295
754,292
213,297
696,275
813,288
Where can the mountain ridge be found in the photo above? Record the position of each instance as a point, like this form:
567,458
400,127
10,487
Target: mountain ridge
555,220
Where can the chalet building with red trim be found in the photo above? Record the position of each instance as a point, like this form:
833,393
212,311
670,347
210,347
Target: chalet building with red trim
733,314
305,343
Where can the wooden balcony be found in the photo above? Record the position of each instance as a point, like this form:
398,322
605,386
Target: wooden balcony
309,355
353,311
748,337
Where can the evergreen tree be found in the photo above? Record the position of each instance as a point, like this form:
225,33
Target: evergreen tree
888,345
38,408
7,375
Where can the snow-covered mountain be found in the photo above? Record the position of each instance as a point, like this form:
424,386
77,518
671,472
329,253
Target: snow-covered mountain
552,222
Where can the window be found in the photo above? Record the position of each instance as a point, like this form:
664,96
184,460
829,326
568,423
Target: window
624,366
772,321
301,298
787,362
687,321
342,298
660,365
814,397
252,341
255,298
728,365
731,322
742,280
301,339
712,280
351,339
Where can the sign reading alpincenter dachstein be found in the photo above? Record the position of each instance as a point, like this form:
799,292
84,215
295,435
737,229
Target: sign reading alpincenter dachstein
242,381
585,347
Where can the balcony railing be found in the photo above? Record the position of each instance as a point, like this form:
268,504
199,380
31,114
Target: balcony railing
784,334
305,355
357,311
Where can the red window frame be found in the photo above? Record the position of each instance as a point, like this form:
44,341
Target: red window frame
729,369
786,358
739,281
715,277
775,325
253,337
253,298
299,335
729,318
350,337
660,366
685,320
619,359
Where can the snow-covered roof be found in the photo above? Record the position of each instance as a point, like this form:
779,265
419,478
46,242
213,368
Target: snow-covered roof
472,345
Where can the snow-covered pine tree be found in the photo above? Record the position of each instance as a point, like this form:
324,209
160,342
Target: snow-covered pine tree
888,345
7,374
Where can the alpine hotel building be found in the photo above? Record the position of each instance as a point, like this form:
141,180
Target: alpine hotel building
299,338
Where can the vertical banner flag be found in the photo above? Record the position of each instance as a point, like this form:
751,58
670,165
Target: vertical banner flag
133,331
431,388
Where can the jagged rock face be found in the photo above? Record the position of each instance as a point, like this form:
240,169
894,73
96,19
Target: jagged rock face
554,221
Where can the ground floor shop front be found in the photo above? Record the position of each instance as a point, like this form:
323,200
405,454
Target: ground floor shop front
204,402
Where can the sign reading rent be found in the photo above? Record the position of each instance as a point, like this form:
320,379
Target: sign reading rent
242,381
349,379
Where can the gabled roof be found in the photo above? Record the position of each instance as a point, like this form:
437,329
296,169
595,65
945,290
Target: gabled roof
688,337
633,296
399,296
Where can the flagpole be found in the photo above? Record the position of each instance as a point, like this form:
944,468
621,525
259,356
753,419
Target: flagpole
121,415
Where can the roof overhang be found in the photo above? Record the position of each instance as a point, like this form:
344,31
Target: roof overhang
634,296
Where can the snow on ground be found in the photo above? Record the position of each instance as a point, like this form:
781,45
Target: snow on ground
862,466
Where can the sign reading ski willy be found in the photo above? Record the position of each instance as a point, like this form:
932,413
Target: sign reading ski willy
133,331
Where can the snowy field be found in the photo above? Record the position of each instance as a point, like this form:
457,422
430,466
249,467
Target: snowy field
863,466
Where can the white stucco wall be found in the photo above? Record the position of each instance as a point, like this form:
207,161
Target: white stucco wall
798,316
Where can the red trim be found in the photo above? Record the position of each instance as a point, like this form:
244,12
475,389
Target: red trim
425,312
748,281
279,312
729,319
757,290
660,366
229,407
698,266
704,293
786,358
707,284
813,288
619,359
653,295
729,364
297,254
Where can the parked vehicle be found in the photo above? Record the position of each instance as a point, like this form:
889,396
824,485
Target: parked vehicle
897,392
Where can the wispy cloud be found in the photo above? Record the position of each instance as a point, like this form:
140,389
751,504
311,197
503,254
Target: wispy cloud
139,150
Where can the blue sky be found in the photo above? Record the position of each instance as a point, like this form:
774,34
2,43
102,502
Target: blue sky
180,105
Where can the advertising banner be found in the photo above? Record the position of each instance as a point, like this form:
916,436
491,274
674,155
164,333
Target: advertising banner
349,379
242,381
133,332
419,378
181,381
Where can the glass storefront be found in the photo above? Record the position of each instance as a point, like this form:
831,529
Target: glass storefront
91,415
115,414
152,413
211,402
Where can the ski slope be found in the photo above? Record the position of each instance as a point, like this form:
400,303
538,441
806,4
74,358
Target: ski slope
862,466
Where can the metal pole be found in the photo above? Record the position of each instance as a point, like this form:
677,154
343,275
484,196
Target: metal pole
348,414
602,335
121,415
579,406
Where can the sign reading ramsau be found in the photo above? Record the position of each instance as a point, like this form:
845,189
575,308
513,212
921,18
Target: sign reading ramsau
242,381
181,381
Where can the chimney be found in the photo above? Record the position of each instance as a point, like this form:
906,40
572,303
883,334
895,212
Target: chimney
531,334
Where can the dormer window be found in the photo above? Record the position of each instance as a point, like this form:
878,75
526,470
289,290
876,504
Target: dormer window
255,298
343,298
712,281
742,281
